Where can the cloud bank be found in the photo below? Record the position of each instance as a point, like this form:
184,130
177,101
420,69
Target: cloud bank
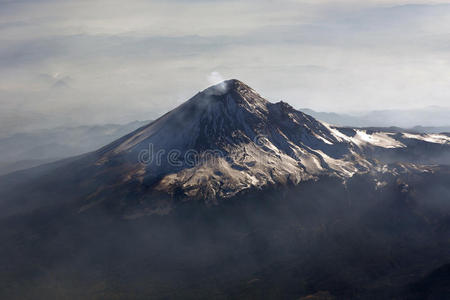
78,62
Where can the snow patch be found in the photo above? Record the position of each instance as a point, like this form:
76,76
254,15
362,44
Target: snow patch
430,138
379,139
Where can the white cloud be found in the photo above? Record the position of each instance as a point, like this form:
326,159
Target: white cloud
215,78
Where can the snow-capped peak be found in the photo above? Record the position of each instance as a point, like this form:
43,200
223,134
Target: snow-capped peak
228,139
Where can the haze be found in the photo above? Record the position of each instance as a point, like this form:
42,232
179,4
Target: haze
85,62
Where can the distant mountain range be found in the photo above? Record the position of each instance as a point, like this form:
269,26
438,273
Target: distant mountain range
426,120
26,150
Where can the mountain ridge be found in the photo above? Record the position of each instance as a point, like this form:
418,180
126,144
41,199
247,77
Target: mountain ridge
425,120
228,140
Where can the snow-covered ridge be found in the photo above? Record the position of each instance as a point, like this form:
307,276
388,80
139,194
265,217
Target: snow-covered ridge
429,138
364,138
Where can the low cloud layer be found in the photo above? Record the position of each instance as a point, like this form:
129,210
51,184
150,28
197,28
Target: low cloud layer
77,62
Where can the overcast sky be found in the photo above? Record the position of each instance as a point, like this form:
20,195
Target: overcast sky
86,62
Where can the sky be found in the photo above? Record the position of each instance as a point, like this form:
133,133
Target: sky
65,63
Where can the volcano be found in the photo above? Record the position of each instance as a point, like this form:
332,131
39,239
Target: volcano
225,141
228,139
231,196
